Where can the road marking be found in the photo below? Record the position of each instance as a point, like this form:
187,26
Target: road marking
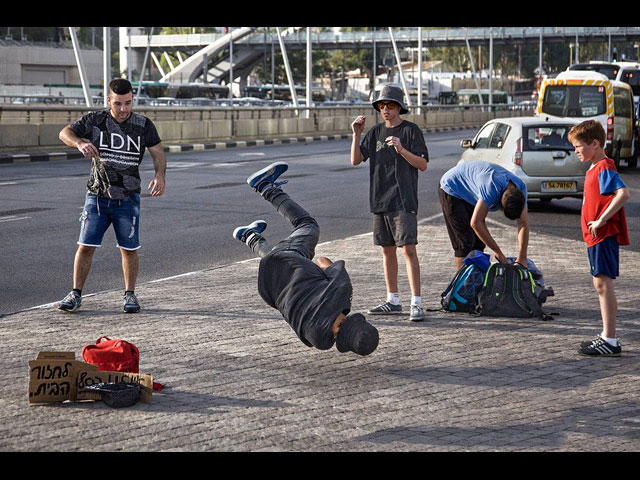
428,219
12,218
183,164
252,154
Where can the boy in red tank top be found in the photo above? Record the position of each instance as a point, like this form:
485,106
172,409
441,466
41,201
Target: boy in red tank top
604,229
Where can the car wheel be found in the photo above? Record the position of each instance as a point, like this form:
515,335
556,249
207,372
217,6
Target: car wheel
632,162
616,155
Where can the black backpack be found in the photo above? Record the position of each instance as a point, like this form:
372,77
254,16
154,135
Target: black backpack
509,291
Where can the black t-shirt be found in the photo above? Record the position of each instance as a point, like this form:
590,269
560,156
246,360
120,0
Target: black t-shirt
393,181
121,147
309,298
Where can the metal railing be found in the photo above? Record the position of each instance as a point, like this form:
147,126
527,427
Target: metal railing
445,36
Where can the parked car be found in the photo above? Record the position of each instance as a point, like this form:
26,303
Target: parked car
536,149
163,102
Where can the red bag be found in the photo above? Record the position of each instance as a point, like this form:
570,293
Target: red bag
112,355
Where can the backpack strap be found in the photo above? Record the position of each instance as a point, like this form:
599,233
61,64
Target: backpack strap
527,284
491,297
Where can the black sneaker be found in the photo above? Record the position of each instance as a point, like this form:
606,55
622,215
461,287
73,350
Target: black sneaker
600,348
386,308
130,303
71,302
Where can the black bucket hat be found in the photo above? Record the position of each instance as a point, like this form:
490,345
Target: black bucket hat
392,93
117,395
357,335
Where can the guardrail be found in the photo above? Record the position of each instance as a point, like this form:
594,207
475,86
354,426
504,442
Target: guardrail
27,127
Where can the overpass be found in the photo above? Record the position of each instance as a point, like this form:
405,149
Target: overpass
210,53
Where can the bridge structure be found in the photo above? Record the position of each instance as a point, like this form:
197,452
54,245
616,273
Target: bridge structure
213,57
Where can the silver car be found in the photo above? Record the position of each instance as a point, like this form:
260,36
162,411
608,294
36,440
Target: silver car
536,149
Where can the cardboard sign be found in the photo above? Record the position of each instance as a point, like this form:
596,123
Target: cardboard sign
52,377
59,377
88,377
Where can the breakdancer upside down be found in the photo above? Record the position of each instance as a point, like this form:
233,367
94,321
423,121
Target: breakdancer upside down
314,299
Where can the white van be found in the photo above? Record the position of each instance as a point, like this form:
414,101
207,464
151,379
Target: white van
589,95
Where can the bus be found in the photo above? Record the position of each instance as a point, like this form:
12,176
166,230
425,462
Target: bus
282,92
469,96
181,90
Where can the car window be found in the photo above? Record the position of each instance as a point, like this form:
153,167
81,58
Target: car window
499,135
545,137
621,102
574,100
632,77
482,139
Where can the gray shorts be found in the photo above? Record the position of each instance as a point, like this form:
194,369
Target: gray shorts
398,228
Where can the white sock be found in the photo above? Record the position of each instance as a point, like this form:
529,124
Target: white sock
612,341
416,301
393,298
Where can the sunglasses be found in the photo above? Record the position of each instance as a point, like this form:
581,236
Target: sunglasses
388,105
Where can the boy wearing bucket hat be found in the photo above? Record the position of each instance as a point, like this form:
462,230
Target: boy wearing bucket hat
313,298
396,151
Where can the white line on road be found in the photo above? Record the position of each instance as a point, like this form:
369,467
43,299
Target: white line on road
12,218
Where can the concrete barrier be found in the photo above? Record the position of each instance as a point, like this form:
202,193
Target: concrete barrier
194,130
39,127
325,124
288,126
246,128
268,127
168,130
19,136
48,134
219,129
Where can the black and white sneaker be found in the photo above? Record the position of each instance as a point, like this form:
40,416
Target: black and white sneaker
586,343
600,348
386,308
71,302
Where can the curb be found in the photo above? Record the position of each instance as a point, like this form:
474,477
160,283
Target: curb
185,147
40,156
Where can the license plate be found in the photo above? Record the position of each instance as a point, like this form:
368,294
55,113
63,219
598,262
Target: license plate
559,186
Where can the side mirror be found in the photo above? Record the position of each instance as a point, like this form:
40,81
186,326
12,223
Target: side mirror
466,143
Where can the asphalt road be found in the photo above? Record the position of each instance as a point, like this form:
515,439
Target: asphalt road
189,228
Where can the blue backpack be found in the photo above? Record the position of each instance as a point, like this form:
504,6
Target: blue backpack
462,293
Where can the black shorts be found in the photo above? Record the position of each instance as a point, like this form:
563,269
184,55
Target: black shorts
457,216
395,228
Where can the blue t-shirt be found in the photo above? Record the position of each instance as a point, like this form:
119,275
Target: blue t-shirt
473,181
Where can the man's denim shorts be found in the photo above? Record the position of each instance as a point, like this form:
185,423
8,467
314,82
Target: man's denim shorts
100,212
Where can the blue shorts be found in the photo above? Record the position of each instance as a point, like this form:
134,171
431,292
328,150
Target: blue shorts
100,212
604,258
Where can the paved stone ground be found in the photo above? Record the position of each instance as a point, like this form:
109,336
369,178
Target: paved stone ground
238,379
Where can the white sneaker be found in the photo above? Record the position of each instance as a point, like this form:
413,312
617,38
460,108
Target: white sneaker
416,313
